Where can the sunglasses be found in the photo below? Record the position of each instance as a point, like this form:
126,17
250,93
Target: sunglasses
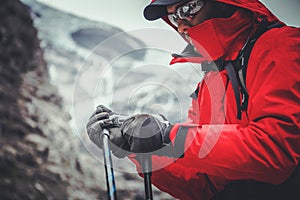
186,11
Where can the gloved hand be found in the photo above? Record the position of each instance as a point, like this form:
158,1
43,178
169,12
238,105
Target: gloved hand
104,118
147,133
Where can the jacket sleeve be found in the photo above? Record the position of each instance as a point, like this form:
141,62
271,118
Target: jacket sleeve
268,148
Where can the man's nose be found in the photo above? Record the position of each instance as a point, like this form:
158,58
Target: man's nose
182,26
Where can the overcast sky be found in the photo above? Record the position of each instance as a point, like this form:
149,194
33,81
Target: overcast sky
128,14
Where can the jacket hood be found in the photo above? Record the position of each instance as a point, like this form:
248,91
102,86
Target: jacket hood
259,9
261,14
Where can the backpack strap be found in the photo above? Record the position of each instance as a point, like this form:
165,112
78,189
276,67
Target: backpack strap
237,74
235,85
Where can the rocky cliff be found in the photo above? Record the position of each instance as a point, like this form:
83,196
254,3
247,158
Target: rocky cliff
34,162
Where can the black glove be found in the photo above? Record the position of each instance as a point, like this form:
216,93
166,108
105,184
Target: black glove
104,118
147,133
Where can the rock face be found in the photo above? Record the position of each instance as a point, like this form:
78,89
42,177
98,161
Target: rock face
88,37
35,163
38,157
19,55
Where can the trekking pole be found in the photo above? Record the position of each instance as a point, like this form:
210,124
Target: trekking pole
145,160
109,172
146,163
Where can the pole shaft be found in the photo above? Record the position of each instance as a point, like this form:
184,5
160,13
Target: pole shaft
148,188
109,173
146,163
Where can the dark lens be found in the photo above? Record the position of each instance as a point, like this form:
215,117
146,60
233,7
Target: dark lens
184,11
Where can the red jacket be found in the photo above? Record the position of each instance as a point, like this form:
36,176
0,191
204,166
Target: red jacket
264,145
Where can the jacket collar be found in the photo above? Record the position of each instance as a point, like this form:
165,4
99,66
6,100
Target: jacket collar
215,39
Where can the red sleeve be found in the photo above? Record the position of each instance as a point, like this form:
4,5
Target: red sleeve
268,149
